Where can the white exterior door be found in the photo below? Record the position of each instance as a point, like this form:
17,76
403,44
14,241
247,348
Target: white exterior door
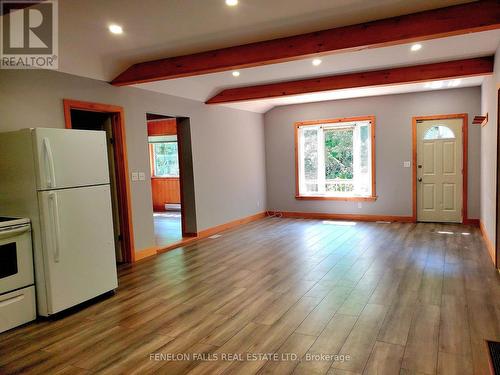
70,158
439,170
78,245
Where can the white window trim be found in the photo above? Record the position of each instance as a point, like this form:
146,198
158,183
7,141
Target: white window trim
335,124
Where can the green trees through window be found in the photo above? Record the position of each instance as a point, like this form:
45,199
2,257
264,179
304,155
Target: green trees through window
338,154
166,161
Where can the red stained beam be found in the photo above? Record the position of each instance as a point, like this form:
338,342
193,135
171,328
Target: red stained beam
418,73
454,20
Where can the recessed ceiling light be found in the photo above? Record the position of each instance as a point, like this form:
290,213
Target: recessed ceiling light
416,47
316,62
115,29
231,3
236,73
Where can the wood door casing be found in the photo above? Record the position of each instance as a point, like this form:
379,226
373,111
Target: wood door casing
121,160
465,144
115,199
439,172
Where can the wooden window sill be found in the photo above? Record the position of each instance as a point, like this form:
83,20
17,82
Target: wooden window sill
326,198
164,178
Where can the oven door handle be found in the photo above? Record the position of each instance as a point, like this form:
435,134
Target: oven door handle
13,232
11,300
57,231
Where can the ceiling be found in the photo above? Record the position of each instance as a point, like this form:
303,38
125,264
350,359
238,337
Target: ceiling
163,28
452,48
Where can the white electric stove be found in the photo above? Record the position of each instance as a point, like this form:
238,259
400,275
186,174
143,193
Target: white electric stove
17,291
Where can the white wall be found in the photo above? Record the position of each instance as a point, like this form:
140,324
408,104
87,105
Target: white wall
228,144
229,156
393,146
489,104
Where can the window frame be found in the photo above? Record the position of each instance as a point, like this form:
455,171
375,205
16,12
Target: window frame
152,161
299,124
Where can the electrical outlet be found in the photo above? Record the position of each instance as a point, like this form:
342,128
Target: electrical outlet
258,203
142,176
406,164
135,176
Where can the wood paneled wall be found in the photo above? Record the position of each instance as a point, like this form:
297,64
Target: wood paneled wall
162,127
164,189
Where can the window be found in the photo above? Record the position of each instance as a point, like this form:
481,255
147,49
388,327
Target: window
335,159
165,159
439,132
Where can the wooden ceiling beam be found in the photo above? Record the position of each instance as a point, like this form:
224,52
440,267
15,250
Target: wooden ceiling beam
392,76
437,23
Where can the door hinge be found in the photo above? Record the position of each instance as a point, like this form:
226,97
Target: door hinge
120,237
112,141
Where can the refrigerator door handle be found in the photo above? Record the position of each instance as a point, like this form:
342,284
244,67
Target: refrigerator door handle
51,175
57,234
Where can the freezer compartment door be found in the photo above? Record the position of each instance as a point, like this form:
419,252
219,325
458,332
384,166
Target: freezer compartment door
78,245
70,158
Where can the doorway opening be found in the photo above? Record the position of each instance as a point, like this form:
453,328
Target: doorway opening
172,183
440,168
109,118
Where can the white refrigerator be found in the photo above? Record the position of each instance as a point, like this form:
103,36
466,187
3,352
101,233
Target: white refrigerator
59,178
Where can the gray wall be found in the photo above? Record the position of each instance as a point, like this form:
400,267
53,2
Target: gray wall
228,144
393,146
489,105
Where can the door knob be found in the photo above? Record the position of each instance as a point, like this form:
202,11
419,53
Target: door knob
420,179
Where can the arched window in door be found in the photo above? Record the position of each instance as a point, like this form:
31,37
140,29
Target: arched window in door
439,132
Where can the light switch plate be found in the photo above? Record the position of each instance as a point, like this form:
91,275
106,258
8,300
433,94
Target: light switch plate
135,176
142,176
406,164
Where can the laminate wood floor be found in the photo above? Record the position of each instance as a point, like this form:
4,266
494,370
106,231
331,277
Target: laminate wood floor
167,227
354,298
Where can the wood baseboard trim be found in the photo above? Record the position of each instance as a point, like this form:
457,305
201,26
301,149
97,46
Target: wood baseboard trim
145,253
487,241
474,222
353,217
211,231
175,245
219,228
